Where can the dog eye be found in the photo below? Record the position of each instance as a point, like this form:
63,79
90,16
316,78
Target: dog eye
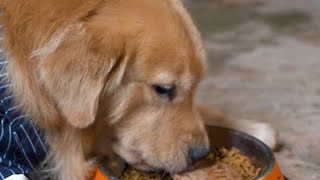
167,91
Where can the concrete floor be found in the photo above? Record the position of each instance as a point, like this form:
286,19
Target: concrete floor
264,64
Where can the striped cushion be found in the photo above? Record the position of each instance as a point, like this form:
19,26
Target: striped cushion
21,145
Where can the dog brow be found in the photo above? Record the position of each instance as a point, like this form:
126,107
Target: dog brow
166,78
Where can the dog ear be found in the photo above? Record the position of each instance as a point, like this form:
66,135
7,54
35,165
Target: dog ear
74,76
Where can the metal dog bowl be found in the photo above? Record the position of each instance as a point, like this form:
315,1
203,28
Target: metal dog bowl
259,154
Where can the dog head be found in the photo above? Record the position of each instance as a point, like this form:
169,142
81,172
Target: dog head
132,67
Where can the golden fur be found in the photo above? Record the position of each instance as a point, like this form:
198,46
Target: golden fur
84,72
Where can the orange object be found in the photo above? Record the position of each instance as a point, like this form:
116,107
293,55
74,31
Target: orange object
275,173
99,176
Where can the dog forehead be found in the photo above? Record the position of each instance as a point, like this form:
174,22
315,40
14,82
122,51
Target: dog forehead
166,59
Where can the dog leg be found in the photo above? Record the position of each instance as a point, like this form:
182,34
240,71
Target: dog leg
71,165
262,131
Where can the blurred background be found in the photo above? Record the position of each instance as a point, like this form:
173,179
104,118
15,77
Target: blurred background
264,65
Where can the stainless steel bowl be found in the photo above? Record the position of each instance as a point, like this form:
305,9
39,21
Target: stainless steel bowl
259,153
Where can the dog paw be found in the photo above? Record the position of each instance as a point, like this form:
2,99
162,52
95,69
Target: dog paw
264,132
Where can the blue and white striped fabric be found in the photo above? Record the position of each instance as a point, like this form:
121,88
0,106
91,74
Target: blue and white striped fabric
21,145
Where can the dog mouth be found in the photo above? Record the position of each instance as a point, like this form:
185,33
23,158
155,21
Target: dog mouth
135,158
132,157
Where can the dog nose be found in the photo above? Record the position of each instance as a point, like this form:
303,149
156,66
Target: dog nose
196,153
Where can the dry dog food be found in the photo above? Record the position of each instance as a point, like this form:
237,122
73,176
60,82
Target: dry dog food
221,164
218,171
132,174
240,162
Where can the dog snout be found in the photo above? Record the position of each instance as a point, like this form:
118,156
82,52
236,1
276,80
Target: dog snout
198,152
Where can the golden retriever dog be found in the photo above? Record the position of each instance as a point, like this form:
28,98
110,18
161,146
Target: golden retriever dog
111,77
